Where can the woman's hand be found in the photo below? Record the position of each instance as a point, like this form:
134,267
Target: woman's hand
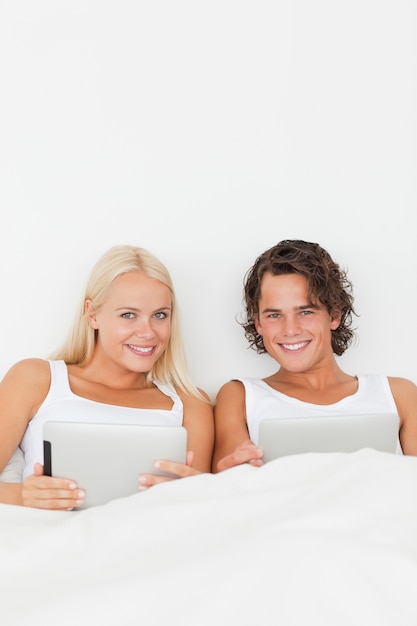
246,452
177,470
47,492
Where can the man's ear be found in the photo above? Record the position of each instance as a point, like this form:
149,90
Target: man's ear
336,318
257,323
91,314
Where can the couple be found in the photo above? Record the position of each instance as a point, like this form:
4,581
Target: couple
124,356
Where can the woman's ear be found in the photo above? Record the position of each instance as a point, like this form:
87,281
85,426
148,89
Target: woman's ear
91,314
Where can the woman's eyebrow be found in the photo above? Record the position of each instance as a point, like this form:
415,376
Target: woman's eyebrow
136,310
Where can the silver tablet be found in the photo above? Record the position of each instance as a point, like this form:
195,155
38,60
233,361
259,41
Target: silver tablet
338,433
106,459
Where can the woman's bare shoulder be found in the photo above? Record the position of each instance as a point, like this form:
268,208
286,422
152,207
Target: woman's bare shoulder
30,374
25,386
194,401
30,367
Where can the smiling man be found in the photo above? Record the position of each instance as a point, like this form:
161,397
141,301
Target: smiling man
299,309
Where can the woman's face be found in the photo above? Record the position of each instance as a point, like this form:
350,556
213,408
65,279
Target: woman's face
134,323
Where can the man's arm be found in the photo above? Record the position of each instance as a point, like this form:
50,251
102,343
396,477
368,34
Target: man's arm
405,396
232,444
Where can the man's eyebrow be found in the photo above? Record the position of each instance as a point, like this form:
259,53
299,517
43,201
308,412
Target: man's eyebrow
310,305
302,307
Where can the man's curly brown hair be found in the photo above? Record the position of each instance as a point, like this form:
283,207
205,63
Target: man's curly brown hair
328,285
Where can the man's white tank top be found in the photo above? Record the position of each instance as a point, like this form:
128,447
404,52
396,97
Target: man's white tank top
263,402
63,405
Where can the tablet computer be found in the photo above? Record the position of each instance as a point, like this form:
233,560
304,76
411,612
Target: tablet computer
106,459
338,433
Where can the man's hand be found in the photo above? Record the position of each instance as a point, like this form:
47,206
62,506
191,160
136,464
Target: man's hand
246,452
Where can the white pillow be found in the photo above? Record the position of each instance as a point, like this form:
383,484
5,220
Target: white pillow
13,471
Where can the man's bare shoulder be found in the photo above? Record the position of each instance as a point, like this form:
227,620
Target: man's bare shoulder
402,384
404,392
233,387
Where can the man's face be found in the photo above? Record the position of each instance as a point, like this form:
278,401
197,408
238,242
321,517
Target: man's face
295,332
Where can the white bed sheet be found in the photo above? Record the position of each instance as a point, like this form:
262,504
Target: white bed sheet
326,539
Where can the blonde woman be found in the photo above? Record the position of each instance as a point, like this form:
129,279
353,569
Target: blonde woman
123,359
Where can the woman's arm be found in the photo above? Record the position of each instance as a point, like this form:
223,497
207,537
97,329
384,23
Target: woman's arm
199,422
11,493
22,391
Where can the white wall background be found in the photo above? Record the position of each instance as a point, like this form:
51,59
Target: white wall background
207,132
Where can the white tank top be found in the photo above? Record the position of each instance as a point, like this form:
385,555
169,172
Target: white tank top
62,404
262,401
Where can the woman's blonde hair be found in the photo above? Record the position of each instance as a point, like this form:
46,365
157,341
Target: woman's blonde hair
171,368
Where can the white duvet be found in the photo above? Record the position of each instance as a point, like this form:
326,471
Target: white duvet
326,539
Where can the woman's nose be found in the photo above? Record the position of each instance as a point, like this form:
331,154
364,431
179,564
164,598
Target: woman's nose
143,328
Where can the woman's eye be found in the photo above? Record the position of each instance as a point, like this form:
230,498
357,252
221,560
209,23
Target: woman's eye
160,315
128,315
